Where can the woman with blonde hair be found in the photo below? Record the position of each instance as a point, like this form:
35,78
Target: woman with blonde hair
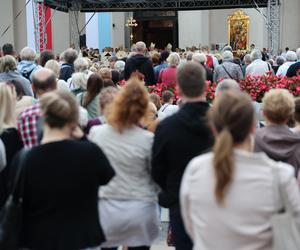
8,133
128,206
60,198
229,194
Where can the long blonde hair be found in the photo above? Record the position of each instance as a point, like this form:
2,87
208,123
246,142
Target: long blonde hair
8,99
232,117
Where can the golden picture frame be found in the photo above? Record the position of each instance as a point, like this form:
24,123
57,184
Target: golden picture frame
238,30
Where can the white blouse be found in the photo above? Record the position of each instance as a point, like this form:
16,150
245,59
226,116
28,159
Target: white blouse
243,223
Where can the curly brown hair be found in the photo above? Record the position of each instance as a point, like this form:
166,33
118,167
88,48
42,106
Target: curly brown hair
129,106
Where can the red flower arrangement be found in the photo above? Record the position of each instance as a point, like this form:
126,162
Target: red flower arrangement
256,87
159,88
210,90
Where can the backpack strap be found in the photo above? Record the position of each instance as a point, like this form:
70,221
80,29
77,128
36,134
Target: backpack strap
227,72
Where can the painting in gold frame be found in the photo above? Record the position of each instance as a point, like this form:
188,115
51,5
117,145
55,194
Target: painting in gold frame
238,30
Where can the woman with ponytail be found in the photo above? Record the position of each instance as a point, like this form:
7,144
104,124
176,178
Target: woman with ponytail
227,195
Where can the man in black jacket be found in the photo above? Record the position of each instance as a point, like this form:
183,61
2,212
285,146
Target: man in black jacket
141,64
178,139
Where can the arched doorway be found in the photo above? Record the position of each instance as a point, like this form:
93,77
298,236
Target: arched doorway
159,27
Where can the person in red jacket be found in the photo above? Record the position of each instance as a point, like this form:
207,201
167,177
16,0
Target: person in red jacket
168,75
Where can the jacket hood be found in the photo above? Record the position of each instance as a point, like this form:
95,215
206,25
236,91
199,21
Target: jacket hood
26,66
9,75
193,116
277,141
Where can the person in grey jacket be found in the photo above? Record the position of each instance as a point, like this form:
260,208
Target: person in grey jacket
276,139
8,66
228,69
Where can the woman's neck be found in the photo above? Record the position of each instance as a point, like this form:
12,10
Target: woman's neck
247,145
54,134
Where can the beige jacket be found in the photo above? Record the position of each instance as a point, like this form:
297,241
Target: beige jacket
244,223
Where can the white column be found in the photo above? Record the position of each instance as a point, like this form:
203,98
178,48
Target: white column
118,29
6,14
60,31
30,26
92,36
290,24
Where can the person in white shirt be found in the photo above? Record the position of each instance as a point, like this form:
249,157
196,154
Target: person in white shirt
258,67
227,196
283,54
128,204
167,109
291,58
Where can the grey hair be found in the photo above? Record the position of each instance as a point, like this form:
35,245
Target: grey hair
81,64
28,54
79,80
247,58
227,84
227,55
140,47
70,55
280,60
298,53
291,56
120,65
189,56
173,59
256,54
7,63
199,57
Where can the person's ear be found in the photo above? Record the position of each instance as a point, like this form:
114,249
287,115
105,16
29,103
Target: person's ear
34,90
179,90
253,127
213,130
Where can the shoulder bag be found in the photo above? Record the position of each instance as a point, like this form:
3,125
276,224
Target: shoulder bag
286,235
11,213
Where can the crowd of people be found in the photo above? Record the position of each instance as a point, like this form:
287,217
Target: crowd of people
100,155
